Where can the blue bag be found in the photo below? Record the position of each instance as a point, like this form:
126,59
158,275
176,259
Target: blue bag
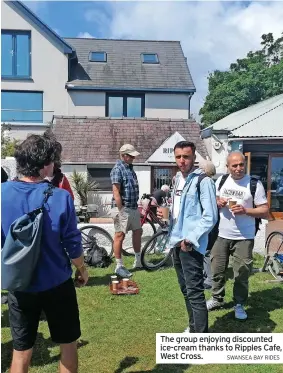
22,247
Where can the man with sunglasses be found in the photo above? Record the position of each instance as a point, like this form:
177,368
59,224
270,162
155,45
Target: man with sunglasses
193,217
236,232
124,210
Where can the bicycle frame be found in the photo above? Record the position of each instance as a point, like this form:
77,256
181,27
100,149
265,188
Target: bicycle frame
148,214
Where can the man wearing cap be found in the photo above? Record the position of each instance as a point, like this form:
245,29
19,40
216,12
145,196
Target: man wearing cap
125,211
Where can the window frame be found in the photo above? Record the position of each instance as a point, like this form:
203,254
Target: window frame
125,96
23,121
92,178
91,60
14,34
147,62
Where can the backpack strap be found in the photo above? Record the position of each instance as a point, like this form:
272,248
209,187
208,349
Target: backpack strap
253,186
222,181
47,193
200,178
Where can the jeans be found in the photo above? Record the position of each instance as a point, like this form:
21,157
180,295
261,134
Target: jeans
189,269
242,261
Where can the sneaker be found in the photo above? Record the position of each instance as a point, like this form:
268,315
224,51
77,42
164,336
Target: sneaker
187,330
123,272
240,312
4,299
213,304
207,287
137,264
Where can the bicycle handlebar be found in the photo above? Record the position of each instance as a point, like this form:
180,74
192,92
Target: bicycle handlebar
146,196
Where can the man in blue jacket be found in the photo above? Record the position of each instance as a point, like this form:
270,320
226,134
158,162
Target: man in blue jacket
193,217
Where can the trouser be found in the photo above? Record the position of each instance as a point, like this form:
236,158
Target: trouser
207,269
242,260
189,269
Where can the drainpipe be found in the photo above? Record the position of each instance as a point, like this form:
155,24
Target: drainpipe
72,57
189,106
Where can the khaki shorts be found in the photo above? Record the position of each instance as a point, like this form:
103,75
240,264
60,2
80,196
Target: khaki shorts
126,219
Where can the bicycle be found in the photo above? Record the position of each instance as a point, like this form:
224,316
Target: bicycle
156,251
274,262
149,219
93,235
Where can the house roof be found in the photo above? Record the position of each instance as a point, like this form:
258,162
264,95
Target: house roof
264,119
124,67
67,48
97,140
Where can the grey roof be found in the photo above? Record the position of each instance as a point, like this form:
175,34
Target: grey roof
124,68
264,119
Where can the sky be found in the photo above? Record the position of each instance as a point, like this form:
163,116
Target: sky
213,34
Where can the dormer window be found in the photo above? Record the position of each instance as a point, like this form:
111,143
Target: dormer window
150,58
98,57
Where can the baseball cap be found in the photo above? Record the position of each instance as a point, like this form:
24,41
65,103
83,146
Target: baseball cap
129,149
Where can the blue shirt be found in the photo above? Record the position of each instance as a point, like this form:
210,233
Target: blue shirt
122,173
61,239
198,214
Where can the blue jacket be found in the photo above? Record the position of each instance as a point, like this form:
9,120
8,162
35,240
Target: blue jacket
197,216
61,239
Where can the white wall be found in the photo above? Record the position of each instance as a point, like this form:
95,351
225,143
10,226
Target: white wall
163,105
86,103
144,178
219,156
21,131
49,65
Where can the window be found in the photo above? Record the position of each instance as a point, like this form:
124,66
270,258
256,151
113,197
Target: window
161,176
16,54
123,105
102,177
150,58
22,106
98,57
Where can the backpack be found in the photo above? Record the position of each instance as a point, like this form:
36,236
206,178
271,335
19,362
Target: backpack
215,231
97,257
22,248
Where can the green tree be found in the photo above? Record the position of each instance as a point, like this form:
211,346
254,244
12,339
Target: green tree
7,145
256,77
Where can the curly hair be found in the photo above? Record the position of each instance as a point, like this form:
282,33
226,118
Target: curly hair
58,147
33,154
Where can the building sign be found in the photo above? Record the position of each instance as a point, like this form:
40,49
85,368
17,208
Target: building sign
165,153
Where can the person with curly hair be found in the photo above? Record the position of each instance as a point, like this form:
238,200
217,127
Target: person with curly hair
52,289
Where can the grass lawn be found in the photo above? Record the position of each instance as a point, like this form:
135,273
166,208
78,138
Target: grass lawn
118,332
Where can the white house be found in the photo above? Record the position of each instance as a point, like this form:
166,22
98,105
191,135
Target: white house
98,94
45,75
34,71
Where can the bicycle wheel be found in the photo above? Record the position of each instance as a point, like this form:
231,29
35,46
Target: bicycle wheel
274,243
148,230
94,234
156,252
274,246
